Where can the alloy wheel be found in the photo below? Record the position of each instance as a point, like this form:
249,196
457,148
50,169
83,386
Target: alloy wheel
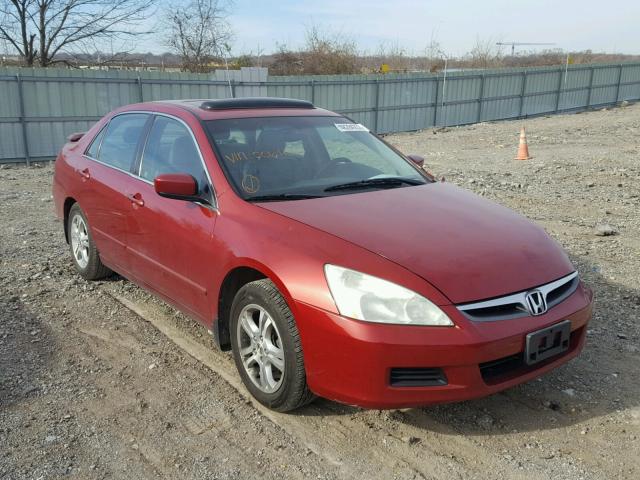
260,348
80,241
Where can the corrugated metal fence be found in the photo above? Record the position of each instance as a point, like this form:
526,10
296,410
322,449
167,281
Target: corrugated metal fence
40,107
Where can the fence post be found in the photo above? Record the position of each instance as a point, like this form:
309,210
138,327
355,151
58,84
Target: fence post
233,89
313,92
559,90
435,104
523,90
619,80
23,123
376,108
140,92
590,86
481,98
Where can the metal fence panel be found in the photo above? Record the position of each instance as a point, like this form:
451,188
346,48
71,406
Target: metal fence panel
574,89
9,106
458,96
50,134
629,86
11,146
501,98
41,107
399,104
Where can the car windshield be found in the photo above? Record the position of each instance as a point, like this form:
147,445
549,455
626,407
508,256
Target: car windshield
291,158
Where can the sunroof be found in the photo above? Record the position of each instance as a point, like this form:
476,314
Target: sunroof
254,102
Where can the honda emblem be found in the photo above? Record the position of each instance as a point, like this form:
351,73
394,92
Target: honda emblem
536,303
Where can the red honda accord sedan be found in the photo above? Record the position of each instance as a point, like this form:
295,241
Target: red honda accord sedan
326,260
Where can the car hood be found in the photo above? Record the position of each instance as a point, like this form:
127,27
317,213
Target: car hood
466,246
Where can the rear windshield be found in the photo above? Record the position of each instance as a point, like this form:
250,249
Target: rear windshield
300,156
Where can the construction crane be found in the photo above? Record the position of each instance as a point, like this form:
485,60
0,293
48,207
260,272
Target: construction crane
520,44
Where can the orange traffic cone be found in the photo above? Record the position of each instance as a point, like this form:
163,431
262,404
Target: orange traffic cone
523,148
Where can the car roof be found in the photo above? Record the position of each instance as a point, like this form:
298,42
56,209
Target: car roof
213,109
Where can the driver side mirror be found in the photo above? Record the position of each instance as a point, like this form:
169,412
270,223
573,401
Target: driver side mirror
179,186
417,159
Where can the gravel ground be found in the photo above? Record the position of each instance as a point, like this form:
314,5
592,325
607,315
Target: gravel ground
89,389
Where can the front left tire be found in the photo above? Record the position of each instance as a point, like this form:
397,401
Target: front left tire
266,347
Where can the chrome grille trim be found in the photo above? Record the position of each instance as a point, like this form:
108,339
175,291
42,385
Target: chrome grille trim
515,305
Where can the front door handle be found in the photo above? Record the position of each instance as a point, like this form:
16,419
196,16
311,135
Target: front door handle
136,199
84,174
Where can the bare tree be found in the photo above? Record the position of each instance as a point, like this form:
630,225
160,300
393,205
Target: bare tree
324,53
433,59
199,33
286,62
329,53
485,53
40,29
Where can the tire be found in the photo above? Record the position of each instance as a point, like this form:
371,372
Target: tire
87,258
278,344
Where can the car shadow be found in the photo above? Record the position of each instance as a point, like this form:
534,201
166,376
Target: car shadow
603,379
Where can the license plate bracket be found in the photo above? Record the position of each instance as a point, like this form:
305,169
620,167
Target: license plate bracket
547,343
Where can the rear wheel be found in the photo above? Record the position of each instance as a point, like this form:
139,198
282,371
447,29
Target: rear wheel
266,347
86,257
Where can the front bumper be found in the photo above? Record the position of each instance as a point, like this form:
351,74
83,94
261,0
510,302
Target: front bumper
350,361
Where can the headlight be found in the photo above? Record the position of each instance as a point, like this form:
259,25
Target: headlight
372,299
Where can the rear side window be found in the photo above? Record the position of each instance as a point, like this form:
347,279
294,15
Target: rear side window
121,139
94,149
170,149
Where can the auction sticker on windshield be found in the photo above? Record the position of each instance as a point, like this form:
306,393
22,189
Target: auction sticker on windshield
351,127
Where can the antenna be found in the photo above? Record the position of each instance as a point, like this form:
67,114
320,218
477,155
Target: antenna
520,44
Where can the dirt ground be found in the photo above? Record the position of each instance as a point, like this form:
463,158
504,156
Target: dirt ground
91,389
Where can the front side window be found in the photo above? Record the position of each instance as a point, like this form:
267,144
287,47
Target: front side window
306,156
170,148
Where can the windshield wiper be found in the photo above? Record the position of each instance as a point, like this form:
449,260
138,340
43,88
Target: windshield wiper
281,196
375,182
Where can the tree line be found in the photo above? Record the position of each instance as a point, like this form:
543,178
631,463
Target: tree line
198,37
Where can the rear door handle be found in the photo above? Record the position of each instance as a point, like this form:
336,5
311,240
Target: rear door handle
84,173
136,199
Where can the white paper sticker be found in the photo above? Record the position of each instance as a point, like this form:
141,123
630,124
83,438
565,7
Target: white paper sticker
351,127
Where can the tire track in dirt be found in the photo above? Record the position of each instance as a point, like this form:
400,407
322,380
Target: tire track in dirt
223,366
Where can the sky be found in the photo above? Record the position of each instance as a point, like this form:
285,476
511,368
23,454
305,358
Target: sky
613,26
259,26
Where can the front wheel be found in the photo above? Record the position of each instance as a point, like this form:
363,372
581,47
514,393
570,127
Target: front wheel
266,347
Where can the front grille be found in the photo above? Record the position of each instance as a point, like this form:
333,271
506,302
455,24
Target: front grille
515,305
561,292
496,312
417,377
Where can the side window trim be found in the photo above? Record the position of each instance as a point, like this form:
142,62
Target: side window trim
137,172
136,166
